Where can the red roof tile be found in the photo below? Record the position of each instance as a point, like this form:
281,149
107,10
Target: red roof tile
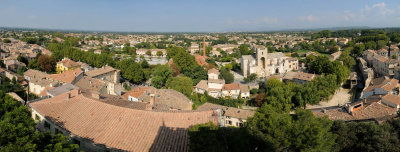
123,128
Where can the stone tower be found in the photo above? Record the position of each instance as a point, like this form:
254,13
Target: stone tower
261,53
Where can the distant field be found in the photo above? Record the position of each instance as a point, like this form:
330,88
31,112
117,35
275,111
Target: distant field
325,54
305,51
302,51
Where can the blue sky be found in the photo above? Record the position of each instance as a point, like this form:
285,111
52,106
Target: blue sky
197,15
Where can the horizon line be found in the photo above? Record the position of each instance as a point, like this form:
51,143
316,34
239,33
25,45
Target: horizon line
221,31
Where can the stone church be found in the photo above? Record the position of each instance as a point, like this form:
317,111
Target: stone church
265,64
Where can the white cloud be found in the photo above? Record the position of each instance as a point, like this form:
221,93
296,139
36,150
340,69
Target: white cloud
376,10
377,14
348,15
307,18
270,20
257,21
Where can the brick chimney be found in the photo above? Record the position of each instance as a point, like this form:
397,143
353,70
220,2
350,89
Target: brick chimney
95,95
149,106
152,99
204,46
75,92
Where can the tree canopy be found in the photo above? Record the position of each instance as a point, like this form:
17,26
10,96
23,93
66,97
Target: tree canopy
181,84
160,76
17,129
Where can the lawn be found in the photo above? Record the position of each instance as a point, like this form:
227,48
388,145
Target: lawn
302,51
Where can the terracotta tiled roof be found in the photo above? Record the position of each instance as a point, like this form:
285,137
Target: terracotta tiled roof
387,85
66,76
122,128
213,90
372,111
213,70
171,98
44,92
90,84
68,63
392,98
228,111
244,88
219,81
233,86
135,92
100,71
304,76
35,73
201,60
203,84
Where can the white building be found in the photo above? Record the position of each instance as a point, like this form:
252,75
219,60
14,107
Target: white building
265,64
217,88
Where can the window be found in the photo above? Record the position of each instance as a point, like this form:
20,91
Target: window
229,122
46,125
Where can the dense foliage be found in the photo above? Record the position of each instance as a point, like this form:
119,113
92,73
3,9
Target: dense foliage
268,130
287,96
181,84
186,63
17,128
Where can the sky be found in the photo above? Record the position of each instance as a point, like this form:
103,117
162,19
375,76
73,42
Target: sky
197,15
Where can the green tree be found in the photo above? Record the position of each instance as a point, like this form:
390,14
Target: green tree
2,63
159,53
6,41
18,131
144,64
365,136
348,61
208,137
181,84
160,75
358,49
131,70
380,44
21,70
227,75
47,63
310,58
284,132
244,50
22,59
148,53
370,45
322,64
34,64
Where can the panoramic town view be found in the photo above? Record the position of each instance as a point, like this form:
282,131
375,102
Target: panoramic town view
207,76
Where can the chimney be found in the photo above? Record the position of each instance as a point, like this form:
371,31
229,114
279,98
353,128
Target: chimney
75,92
204,46
95,95
68,95
152,99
